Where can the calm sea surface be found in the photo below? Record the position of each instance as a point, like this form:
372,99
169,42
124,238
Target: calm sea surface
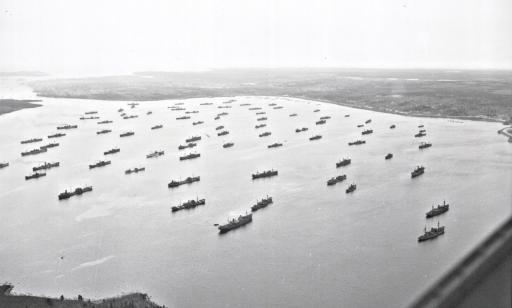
315,246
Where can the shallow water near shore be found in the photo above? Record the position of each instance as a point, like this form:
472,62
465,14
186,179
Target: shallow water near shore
353,250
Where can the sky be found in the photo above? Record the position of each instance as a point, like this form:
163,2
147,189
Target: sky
122,36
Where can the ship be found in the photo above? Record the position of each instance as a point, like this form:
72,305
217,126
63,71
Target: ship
347,115
316,110
130,117
440,209
112,151
34,152
293,115
343,162
320,122
422,130
57,135
104,131
197,122
120,110
101,163
31,140
360,125
228,145
262,203
157,126
325,118
222,133
190,156
245,104
335,180
105,122
77,192
418,171
367,132
155,154
431,234
261,119
192,139
217,118
149,112
368,121
46,166
421,125
235,223
272,104
89,118
351,188
127,134
219,127
278,107
255,108
388,156
188,180
424,145
183,118
357,142
67,126
206,104
264,174
298,130
275,145
265,134
190,204
392,126
316,137
3,165
36,175
193,111
188,145
91,112
260,126
420,134
49,145
135,170
260,112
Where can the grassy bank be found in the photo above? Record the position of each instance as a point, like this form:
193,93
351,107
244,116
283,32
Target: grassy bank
11,105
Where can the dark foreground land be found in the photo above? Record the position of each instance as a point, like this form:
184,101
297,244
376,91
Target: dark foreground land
10,105
480,95
134,300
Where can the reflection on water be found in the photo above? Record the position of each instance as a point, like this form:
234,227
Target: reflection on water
314,246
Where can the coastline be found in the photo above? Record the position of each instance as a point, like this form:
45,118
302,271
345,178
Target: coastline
12,105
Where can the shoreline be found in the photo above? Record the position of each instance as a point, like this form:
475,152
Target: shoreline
12,105
507,132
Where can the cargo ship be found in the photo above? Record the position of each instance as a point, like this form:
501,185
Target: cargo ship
188,180
265,134
261,119
31,140
190,204
77,192
155,154
262,203
293,115
105,122
135,170
197,123
303,129
219,127
420,134
424,145
260,126
357,142
418,171
335,180
188,145
112,151
67,126
275,145
392,126
228,145
104,131
183,118
57,135
343,162
264,174
3,165
99,164
36,175
368,121
440,209
316,137
431,234
190,156
223,133
325,118
351,188
236,223
192,139
49,145
46,166
34,152
388,156
127,134
321,122
157,126
367,132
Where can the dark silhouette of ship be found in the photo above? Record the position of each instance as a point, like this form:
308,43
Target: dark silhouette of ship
357,142
264,174
303,129
219,127
431,234
135,170
255,108
67,126
260,112
157,126
320,122
351,188
260,126
105,122
337,179
192,139
149,112
193,111
325,118
130,117
265,134
424,145
418,171
367,132
368,121
155,154
236,223
228,145
190,156
293,115
360,125
46,166
190,204
99,164
278,107
34,152
275,145
392,126
188,180
262,203
188,145
49,145
422,130
112,151
440,209
127,134
261,119
197,122
77,192
421,125
343,162
389,156
36,175
420,134
89,118
316,137
3,165
347,115
91,112
57,135
104,131
316,110
31,140
223,133
217,118
183,118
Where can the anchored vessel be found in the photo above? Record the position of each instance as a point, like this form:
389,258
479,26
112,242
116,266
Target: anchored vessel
335,180
127,134
236,223
388,156
392,126
46,166
420,134
78,191
265,134
101,163
298,130
49,145
197,122
188,180
418,171
34,152
57,135
278,107
431,234
293,115
67,126
190,156
357,142
260,126
344,162
368,121
31,140
183,118
351,188
360,125
424,145
188,145
3,165
367,132
92,112
36,175
112,151
222,133
316,110
157,126
104,131
134,170
316,137
261,204
275,145
219,127
190,204
264,174
261,119
440,209
105,122
155,154
89,118
325,118
192,139
320,122
228,145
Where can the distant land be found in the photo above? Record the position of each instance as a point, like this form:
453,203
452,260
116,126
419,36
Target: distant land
134,300
10,105
476,95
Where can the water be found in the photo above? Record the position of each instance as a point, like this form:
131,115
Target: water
315,246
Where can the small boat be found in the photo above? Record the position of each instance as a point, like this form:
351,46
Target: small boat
360,125
388,156
392,126
347,115
3,165
316,110
293,115
368,121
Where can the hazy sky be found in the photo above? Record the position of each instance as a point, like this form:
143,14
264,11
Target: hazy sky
116,36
